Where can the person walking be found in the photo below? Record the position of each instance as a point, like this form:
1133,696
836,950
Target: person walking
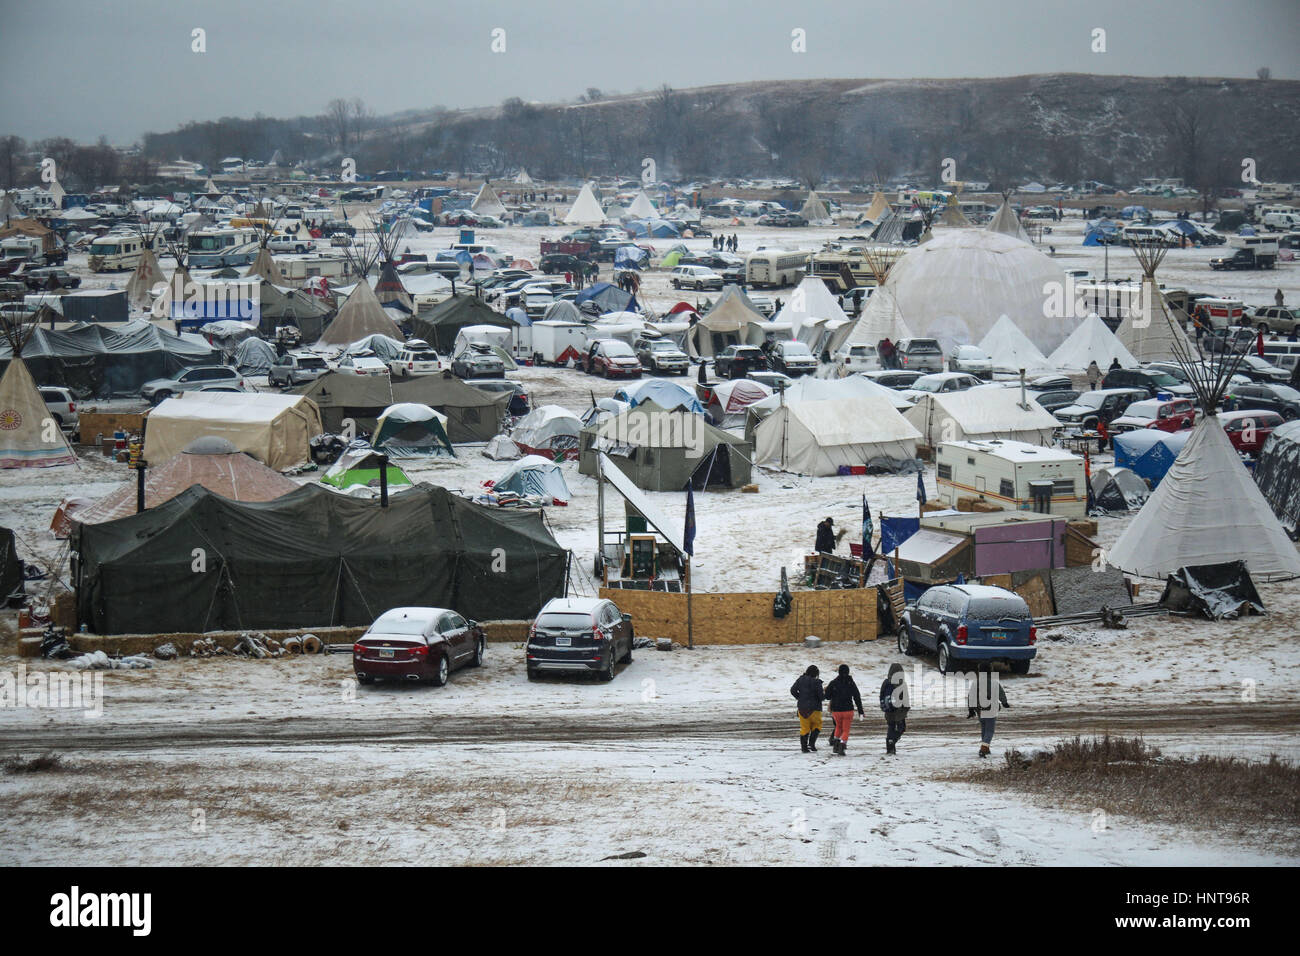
809,694
843,694
894,702
826,536
1094,375
984,702
1114,364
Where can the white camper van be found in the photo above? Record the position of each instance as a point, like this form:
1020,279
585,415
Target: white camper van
1009,473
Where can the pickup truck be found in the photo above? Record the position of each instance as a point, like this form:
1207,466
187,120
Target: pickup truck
1243,259
579,250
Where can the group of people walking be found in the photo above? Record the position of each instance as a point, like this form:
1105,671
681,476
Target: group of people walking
726,243
846,700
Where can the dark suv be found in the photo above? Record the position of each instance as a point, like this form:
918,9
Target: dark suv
1151,380
971,623
1272,397
579,634
1103,405
556,262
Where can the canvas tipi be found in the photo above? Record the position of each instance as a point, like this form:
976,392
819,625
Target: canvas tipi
1150,333
878,209
1091,341
814,210
586,209
148,275
57,193
1006,222
523,179
360,315
1011,349
641,207
29,435
264,267
953,217
486,203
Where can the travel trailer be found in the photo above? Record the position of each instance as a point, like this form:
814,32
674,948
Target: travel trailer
1015,475
298,268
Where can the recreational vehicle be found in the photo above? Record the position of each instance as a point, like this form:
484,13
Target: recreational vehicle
222,246
1015,475
117,253
775,268
1267,191
298,268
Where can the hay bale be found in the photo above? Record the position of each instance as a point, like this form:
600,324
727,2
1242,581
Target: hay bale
749,489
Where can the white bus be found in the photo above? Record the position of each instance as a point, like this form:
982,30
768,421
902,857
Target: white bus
115,253
775,268
222,246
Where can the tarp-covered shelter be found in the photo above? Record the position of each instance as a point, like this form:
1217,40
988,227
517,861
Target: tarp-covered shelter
29,436
1278,475
1149,452
661,392
1119,489
11,567
662,450
312,558
440,325
821,437
1219,592
605,297
535,475
549,431
99,362
730,400
980,413
254,356
274,429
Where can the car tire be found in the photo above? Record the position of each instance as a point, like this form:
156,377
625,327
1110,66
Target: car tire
441,671
365,679
906,646
1020,667
160,397
607,674
532,673
627,658
480,649
945,663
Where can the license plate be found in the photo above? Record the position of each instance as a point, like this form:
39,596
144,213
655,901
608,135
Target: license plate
385,652
999,635
563,641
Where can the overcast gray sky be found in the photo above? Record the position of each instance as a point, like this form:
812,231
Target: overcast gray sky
82,68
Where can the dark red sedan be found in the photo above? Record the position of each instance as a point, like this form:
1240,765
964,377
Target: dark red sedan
417,644
1249,429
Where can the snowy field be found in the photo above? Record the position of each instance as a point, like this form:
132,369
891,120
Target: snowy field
689,757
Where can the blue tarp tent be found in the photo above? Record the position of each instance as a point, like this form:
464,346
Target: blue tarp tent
1135,212
1149,452
455,255
657,228
534,475
607,297
662,392
631,257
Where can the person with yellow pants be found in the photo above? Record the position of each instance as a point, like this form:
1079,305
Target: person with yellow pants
809,694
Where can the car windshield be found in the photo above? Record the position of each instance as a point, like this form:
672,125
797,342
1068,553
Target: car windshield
1091,399
662,347
1286,392
924,347
928,384
997,608
1163,378
1141,410
618,350
796,349
399,625
565,621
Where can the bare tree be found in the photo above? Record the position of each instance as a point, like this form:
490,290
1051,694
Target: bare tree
1264,73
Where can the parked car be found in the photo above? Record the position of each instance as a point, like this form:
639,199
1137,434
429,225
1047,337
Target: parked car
554,263
61,406
290,244
1055,400
1282,399
295,368
970,624
579,634
478,361
519,404
793,358
860,357
48,280
893,378
971,359
1276,318
661,355
920,355
1261,370
698,278
417,644
341,239
940,382
365,363
416,357
737,361
160,389
1150,380
1049,383
1248,430
1169,416
776,381
1101,405
612,358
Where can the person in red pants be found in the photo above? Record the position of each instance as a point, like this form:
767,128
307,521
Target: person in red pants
843,694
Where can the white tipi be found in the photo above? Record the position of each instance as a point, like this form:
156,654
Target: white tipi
1148,332
148,275
878,209
586,209
29,435
1091,341
523,179
487,203
1011,349
1006,222
814,210
57,194
641,207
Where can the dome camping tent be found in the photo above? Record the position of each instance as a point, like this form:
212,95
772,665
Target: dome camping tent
410,430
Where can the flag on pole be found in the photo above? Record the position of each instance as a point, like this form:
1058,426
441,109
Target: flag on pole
688,533
920,488
867,549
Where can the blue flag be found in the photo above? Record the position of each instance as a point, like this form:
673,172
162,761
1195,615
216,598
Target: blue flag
867,549
920,487
688,534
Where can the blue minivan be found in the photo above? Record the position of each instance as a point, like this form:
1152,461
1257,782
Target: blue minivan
970,624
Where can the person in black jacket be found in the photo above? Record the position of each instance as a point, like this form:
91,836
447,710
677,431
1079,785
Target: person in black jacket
808,694
982,702
894,703
826,536
843,694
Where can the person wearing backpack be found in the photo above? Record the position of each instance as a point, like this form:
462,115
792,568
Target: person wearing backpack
982,702
809,694
894,703
843,694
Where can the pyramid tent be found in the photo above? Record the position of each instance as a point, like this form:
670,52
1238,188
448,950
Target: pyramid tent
641,207
391,293
1150,334
486,202
1207,510
814,210
146,277
1011,348
523,179
214,463
1091,341
586,209
1006,222
264,266
172,301
818,437
811,300
953,217
210,188
359,316
9,209
29,436
879,207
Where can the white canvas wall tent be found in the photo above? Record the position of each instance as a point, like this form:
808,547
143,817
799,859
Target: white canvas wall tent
809,389
487,203
983,412
821,437
1091,341
1006,222
147,277
1207,510
586,210
274,429
724,324
29,435
1011,349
